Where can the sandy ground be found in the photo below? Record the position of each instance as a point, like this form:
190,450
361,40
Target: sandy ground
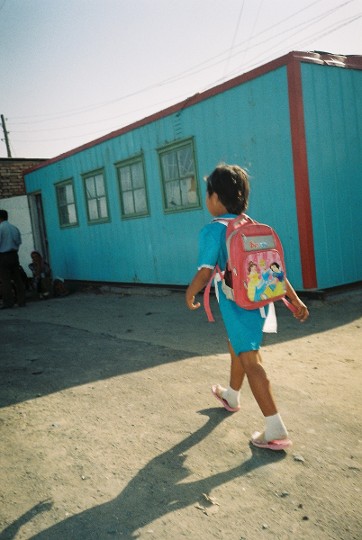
109,429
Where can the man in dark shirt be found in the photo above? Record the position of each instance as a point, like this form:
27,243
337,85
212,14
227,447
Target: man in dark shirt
10,240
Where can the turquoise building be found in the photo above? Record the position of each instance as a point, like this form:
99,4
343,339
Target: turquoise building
127,207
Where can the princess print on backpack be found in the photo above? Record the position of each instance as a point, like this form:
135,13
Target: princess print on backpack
265,277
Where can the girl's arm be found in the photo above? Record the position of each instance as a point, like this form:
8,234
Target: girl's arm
199,281
301,312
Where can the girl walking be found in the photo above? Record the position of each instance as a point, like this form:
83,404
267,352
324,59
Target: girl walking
227,197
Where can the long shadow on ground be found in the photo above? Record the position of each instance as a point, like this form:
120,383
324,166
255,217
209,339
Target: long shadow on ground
154,492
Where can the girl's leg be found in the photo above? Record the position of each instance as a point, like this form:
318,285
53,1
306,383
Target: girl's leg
237,374
237,371
259,383
261,389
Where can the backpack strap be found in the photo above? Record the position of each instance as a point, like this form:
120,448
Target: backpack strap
224,221
235,220
210,317
289,305
207,293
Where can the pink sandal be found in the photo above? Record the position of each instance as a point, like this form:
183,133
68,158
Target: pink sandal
223,401
281,444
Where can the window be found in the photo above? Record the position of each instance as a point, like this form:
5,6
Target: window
67,209
132,188
179,178
95,192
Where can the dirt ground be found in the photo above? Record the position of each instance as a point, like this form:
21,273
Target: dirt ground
109,429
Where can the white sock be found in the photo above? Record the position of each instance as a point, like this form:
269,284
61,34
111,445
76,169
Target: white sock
231,396
275,428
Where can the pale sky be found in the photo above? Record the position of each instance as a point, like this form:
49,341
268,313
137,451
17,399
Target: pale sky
74,70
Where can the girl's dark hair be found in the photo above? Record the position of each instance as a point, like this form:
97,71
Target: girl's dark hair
231,184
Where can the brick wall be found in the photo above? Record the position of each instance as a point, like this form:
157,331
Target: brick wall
12,175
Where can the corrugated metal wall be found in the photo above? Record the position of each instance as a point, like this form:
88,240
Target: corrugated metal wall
333,121
247,125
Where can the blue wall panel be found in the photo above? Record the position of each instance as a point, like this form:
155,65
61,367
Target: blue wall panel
247,125
333,120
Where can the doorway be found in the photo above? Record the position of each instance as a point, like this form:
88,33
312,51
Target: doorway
38,224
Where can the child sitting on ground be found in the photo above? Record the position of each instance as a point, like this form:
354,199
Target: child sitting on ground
42,277
227,197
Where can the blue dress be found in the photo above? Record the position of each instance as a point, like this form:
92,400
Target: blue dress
244,327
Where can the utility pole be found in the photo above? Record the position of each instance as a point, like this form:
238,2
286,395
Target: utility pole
5,135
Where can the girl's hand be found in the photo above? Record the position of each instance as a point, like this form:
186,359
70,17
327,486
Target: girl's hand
200,280
301,311
190,302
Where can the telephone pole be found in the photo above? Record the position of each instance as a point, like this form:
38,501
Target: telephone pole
5,135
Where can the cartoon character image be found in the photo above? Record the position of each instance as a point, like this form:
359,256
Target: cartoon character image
278,274
277,271
267,277
256,283
266,273
252,280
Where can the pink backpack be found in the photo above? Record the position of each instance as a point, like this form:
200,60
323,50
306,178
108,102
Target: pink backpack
255,270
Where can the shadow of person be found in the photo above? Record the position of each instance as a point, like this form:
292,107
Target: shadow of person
12,530
157,489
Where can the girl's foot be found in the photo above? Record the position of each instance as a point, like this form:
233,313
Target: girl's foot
218,391
259,440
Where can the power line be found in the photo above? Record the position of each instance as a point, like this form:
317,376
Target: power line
265,57
163,102
328,30
234,36
342,24
189,72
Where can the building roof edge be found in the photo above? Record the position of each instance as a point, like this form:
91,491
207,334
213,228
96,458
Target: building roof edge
316,57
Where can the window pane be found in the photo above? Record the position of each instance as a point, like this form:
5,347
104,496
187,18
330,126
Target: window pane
90,188
66,204
125,176
173,196
69,195
179,177
99,181
188,192
169,166
132,188
93,209
103,207
128,205
61,195
185,160
140,200
137,176
72,216
63,215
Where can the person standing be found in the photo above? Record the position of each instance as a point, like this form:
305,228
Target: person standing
10,240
